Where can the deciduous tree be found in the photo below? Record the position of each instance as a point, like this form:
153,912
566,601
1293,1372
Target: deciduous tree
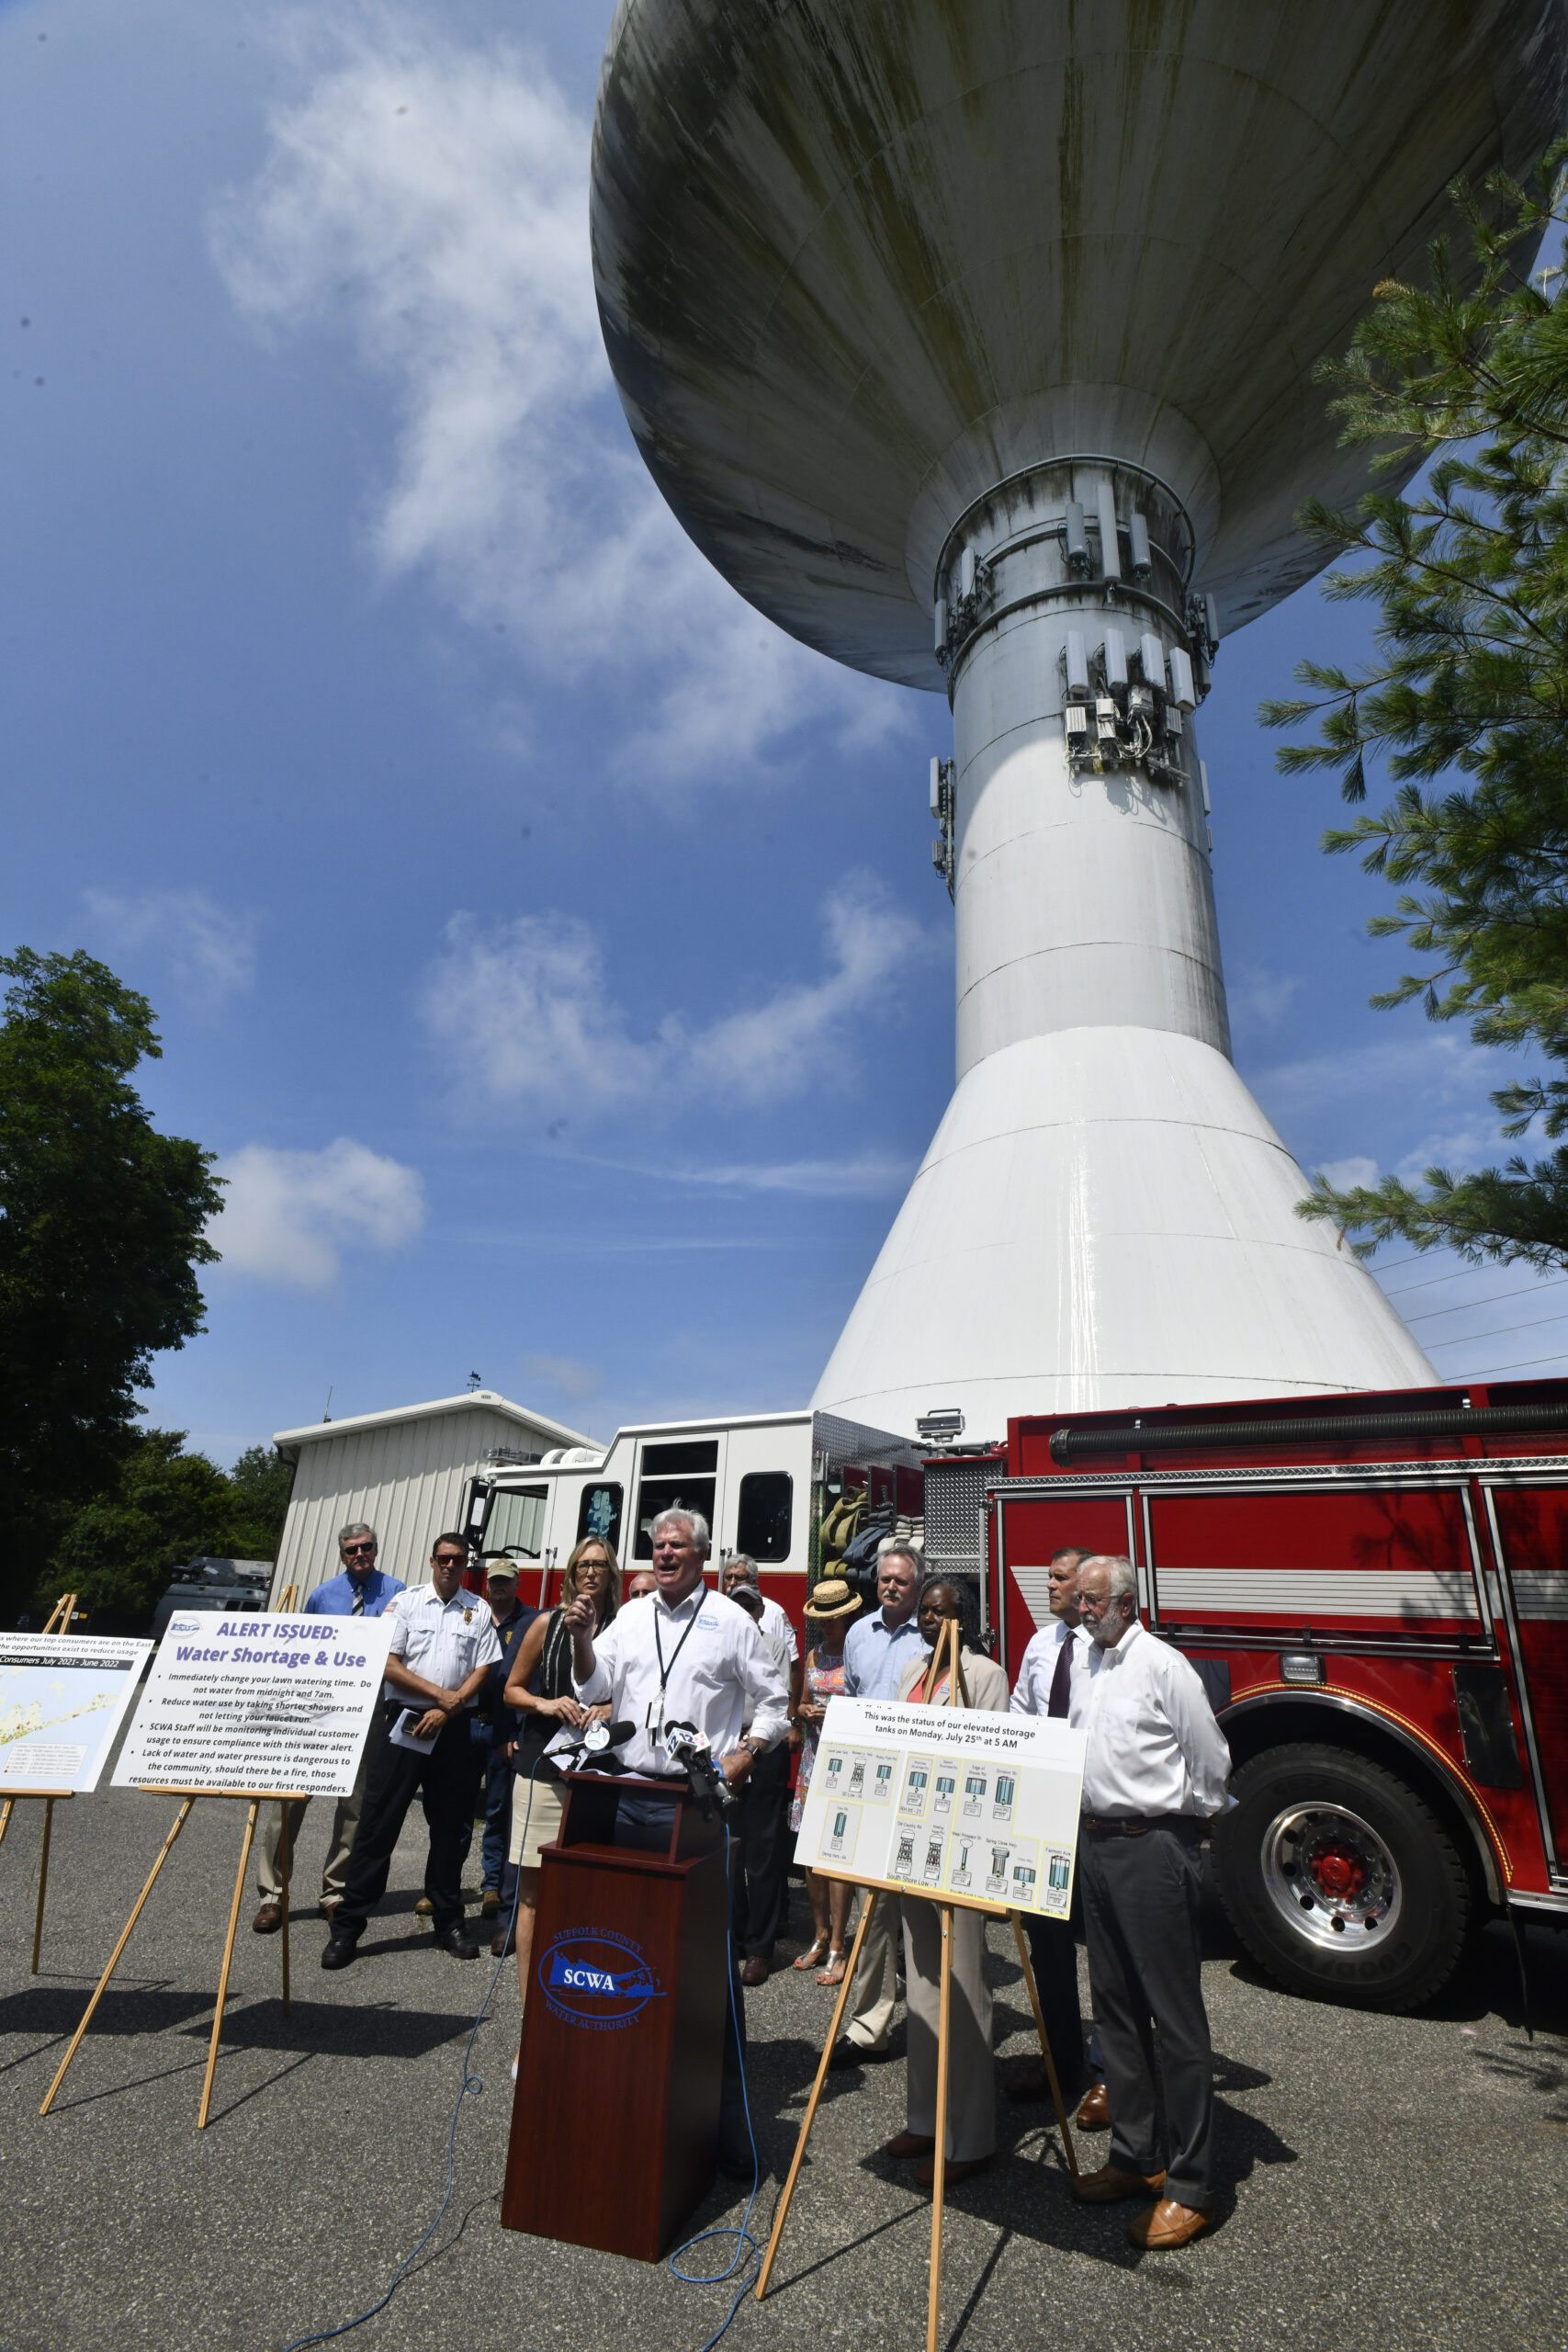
102,1229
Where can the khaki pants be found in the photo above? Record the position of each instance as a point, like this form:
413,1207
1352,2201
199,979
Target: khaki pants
873,1996
971,2083
345,1827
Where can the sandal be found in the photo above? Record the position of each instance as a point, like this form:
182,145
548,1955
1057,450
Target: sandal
812,1955
834,1972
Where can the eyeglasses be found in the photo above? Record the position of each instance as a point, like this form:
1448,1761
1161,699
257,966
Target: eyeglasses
355,1551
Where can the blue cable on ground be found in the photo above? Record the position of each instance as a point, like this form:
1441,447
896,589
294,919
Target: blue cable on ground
470,2088
741,2235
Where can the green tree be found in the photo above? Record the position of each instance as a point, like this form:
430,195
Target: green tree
262,1482
1466,703
102,1225
166,1507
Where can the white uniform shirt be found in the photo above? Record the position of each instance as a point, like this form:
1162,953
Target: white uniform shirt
442,1641
776,1626
1037,1668
778,1650
1154,1746
724,1673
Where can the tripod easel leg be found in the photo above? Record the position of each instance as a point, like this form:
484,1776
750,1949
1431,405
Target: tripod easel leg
939,2160
101,1987
810,2116
42,1879
6,1810
228,1957
284,1843
1062,2123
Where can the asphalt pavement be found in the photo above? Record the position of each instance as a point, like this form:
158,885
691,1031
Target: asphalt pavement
1392,2181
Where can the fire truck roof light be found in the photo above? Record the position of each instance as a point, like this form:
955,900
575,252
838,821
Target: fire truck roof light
941,1426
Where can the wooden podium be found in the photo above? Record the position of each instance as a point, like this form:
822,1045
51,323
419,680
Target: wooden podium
614,2125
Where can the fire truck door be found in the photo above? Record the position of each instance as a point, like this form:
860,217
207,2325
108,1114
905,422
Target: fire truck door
1529,1533
1029,1529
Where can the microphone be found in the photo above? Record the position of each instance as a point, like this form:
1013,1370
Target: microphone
593,1740
683,1744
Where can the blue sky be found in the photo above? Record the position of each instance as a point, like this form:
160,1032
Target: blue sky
549,948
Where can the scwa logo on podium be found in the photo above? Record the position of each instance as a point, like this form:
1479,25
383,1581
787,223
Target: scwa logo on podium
592,1977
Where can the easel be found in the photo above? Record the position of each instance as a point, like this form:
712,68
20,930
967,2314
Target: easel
255,1798
58,1621
946,1654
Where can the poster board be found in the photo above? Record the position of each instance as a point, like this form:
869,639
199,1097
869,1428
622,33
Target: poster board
257,1704
957,1804
63,1700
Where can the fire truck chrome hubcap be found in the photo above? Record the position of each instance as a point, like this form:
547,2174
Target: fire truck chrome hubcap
1330,1875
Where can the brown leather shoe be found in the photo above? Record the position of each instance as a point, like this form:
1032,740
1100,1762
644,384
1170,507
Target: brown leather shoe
909,2143
1094,2109
1168,2223
268,1920
1111,2184
964,2169
755,1970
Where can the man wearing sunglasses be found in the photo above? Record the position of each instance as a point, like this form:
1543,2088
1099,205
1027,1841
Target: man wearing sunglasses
362,1590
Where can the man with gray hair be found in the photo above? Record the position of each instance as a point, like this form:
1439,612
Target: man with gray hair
361,1590
1155,1771
683,1655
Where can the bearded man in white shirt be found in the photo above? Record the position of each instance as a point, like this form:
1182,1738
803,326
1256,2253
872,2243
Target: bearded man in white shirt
1155,1771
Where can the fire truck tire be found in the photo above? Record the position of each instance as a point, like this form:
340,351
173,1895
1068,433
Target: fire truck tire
1340,1880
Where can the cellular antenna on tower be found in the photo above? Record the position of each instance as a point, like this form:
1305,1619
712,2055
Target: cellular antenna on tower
973,342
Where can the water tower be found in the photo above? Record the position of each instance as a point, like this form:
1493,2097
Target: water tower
972,341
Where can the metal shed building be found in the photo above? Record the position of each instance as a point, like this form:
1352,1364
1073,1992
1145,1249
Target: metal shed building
403,1472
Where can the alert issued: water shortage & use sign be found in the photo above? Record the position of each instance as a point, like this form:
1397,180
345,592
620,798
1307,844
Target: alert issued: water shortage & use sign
952,1803
257,1704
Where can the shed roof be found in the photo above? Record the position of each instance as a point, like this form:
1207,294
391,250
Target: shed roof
483,1401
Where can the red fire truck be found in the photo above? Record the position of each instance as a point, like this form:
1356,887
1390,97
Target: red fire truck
1375,1590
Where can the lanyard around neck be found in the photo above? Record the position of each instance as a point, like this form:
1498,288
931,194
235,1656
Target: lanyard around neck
665,1671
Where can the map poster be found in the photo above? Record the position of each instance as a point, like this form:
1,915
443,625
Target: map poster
257,1704
63,1700
960,1805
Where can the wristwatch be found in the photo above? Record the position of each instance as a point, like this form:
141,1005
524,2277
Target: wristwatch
755,1748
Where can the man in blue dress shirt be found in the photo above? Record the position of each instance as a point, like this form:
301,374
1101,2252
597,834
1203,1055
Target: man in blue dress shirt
361,1590
877,1650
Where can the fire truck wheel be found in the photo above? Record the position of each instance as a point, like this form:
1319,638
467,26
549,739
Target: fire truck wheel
1339,1879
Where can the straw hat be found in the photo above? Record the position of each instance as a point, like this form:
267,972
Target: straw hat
833,1597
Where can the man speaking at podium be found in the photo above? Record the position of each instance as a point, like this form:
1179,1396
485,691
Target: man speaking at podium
683,1655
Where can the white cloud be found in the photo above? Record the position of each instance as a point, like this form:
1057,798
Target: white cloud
208,951
1345,1173
288,1216
1259,999
428,198
870,1176
565,1373
524,1014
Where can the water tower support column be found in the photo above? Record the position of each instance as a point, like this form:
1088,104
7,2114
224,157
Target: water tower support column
1105,1217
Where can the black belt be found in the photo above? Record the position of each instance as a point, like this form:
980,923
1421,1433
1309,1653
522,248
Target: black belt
1138,1825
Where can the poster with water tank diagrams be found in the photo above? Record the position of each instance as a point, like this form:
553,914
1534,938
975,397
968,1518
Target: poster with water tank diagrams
958,1805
